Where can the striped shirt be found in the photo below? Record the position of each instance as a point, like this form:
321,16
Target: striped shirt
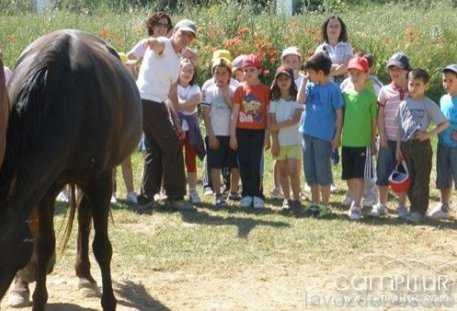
390,96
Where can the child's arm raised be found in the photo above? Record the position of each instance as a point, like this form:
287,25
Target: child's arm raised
301,94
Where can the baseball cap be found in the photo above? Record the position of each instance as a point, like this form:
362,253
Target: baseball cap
358,63
222,61
187,25
291,50
452,68
252,60
284,70
221,54
400,60
238,61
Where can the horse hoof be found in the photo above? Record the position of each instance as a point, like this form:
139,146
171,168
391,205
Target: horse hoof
19,299
89,290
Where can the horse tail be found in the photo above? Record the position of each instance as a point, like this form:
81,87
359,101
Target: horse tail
72,204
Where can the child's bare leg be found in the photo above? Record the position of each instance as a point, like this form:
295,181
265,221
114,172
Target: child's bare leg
283,177
293,166
446,196
216,178
192,180
316,194
325,191
277,177
234,180
356,189
126,167
383,194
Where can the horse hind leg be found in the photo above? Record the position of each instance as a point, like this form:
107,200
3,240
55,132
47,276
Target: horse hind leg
45,248
87,284
99,192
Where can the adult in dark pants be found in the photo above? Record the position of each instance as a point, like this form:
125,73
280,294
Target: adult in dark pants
157,81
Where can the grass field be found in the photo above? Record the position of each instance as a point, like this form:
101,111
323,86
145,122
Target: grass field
232,259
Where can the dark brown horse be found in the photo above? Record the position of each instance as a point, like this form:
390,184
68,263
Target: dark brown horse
75,114
4,112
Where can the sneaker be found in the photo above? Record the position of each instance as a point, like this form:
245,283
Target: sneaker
141,199
378,210
194,198
347,201
276,194
234,196
413,218
146,207
246,202
219,201
324,211
132,197
181,205
207,191
402,212
312,210
258,203
355,213
113,198
286,205
333,188
297,208
307,188
440,211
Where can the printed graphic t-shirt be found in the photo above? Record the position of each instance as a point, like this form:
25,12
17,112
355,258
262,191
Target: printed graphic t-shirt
253,101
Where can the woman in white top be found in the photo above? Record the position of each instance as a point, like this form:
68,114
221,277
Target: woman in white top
336,45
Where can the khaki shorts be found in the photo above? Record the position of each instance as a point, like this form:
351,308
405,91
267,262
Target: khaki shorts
290,152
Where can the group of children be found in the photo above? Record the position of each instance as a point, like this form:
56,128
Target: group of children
305,115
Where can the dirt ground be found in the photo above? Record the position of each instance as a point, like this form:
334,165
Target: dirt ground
261,287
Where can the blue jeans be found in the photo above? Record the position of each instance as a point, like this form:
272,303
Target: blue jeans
316,161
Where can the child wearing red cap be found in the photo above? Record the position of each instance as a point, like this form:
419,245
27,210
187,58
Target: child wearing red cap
247,130
358,133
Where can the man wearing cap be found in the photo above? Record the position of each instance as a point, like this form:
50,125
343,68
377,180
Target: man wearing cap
157,81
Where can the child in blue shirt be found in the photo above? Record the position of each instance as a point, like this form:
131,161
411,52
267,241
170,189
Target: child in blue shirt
446,157
321,129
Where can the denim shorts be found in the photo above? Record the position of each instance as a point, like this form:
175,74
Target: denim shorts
446,167
386,163
316,161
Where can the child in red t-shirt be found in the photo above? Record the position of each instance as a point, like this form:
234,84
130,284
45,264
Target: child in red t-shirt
247,130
